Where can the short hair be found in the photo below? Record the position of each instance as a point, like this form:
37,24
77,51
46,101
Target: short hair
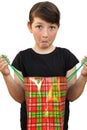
46,11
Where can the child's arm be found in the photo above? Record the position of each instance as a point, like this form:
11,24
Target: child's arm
14,85
76,86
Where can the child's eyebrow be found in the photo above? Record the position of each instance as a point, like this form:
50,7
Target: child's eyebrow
43,23
38,23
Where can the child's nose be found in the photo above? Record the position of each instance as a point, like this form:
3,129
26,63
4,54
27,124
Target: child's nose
45,33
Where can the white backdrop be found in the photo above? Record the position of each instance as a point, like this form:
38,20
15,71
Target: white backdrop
14,36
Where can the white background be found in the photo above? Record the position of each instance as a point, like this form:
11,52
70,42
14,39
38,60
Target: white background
14,36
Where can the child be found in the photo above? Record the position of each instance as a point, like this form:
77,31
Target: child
41,63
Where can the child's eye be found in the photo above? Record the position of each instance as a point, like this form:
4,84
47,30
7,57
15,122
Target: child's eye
39,26
52,27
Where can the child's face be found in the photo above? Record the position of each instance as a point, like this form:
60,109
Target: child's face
44,32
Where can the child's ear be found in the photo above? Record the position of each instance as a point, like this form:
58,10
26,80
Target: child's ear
29,26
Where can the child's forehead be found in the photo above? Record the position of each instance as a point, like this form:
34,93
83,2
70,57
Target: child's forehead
41,21
38,19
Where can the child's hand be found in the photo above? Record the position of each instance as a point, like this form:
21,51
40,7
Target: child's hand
4,67
84,70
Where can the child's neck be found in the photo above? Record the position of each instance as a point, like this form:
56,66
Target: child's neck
44,50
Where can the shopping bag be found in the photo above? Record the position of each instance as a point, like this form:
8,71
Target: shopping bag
45,102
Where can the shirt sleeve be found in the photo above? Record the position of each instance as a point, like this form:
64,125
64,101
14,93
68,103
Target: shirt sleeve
17,62
70,59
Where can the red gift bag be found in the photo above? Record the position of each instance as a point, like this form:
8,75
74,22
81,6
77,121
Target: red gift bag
45,101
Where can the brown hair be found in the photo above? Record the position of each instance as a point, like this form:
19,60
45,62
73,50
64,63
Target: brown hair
46,11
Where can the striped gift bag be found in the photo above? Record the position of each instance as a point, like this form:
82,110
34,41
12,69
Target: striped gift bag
45,101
